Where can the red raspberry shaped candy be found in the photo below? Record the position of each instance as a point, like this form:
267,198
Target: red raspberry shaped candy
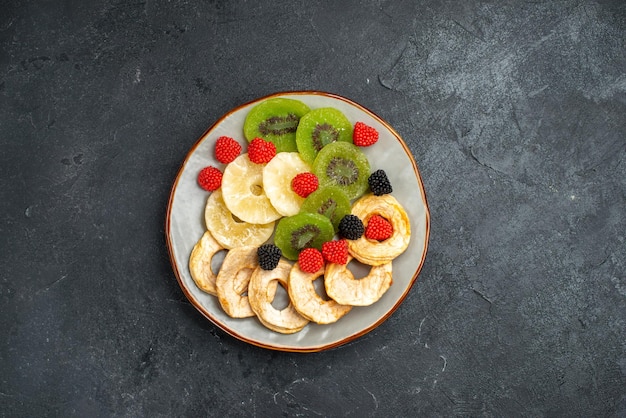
226,149
210,178
378,228
310,260
261,151
335,251
364,135
304,184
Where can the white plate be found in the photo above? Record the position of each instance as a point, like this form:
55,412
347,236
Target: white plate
185,226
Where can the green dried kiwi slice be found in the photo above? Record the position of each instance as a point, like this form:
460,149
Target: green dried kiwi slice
300,231
319,128
344,165
329,201
275,120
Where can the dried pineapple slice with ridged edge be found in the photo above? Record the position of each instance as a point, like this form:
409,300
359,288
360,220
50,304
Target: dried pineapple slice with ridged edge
227,230
277,176
242,189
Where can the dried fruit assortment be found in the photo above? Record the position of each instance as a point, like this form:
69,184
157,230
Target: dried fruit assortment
299,204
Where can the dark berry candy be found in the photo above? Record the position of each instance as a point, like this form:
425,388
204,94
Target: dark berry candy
269,256
379,183
351,227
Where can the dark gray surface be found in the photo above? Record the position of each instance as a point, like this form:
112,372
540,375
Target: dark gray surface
514,112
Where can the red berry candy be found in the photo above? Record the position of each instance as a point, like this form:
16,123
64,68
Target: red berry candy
261,151
378,228
226,149
310,260
364,135
335,251
304,184
210,178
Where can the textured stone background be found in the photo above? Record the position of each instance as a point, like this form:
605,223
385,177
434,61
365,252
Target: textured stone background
514,111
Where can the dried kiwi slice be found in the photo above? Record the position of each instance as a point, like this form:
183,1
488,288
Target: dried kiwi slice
275,120
329,201
303,230
344,165
319,128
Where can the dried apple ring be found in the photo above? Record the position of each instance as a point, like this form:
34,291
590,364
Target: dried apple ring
232,281
306,300
344,288
200,263
261,295
373,252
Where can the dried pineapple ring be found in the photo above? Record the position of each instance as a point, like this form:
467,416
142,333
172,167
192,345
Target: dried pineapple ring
277,176
345,289
261,295
231,233
376,253
232,281
200,263
242,187
306,300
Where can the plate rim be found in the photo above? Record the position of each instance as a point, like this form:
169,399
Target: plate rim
290,348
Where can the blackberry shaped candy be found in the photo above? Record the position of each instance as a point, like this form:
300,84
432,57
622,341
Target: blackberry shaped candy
269,256
379,183
351,227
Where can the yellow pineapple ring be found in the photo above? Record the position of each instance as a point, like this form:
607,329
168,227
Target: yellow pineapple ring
342,286
200,263
232,281
227,230
373,252
277,177
306,300
242,189
261,296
